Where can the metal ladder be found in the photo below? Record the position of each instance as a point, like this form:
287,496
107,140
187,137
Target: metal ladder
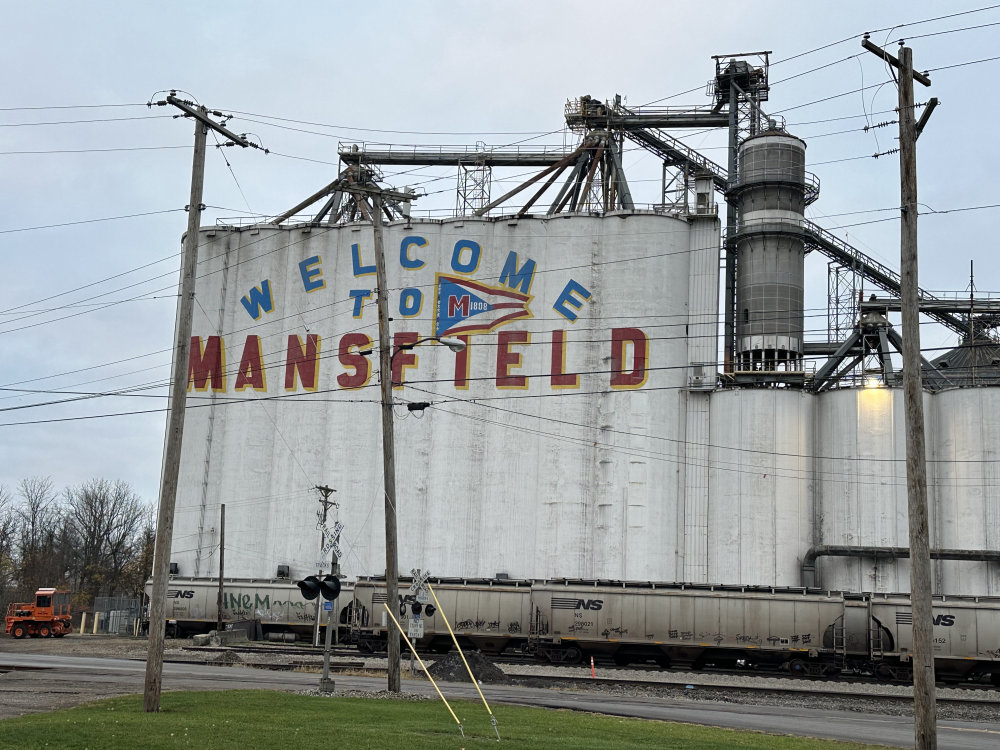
840,644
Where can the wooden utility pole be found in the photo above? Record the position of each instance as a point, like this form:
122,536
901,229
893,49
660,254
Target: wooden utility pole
388,449
222,564
178,401
374,214
924,703
175,429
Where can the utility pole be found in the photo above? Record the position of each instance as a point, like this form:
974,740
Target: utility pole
178,400
326,502
374,214
388,449
222,564
924,700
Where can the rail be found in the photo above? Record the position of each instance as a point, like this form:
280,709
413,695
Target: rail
808,181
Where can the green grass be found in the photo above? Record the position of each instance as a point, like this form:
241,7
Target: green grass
253,719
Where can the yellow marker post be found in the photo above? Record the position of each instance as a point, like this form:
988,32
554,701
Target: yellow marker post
475,682
426,671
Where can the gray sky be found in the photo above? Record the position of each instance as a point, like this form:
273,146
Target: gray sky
88,307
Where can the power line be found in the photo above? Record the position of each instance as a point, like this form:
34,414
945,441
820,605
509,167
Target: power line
81,122
69,106
93,150
89,221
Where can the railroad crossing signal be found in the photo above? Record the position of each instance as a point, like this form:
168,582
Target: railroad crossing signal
332,538
419,585
312,587
419,580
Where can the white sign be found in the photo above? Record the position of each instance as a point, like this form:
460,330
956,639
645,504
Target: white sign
332,538
415,628
424,596
419,580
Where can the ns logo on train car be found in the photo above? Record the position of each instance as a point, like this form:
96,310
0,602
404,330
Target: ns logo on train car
179,594
906,618
559,602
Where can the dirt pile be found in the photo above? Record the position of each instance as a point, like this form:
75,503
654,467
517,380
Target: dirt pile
451,669
228,657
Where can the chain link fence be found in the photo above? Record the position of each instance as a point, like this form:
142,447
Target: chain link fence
116,615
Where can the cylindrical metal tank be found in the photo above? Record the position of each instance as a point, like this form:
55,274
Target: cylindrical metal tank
759,508
860,474
771,191
963,446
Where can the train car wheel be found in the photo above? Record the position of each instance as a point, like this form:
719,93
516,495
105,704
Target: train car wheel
798,668
19,631
44,631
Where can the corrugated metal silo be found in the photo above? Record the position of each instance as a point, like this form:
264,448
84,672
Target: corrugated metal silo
964,451
861,496
760,508
772,191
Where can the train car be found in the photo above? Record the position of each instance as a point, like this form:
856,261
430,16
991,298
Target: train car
275,604
690,626
490,615
966,637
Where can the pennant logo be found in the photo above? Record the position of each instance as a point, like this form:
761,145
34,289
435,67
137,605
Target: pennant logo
465,306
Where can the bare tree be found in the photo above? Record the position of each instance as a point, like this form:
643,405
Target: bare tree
138,570
40,561
8,546
106,521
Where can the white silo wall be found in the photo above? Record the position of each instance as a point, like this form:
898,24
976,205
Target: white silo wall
861,486
540,479
964,483
759,510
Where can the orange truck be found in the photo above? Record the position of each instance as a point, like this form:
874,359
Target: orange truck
47,616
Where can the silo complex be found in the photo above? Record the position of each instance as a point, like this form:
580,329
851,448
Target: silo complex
585,431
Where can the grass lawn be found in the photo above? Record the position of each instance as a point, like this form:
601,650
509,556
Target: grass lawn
250,719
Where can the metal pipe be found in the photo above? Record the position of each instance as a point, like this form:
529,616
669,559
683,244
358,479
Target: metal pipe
894,553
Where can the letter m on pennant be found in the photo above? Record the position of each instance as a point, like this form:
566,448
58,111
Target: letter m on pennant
458,305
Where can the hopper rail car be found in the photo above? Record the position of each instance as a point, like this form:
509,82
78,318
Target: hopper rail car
276,605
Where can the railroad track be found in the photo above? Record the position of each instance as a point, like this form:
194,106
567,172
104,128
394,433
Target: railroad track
309,658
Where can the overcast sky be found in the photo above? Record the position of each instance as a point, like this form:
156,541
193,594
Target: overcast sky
94,184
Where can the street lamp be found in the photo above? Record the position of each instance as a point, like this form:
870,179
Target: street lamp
456,345
389,481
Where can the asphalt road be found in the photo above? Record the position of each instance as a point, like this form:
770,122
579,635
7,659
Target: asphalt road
32,682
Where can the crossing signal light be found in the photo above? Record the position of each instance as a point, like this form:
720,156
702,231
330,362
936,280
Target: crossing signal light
312,586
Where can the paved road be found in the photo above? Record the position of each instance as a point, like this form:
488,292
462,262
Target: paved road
34,679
